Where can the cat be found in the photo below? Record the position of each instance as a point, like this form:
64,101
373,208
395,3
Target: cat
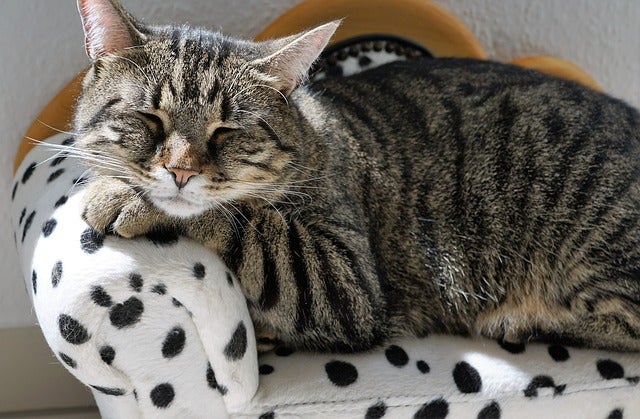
437,196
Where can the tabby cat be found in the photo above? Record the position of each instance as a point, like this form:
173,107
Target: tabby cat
437,196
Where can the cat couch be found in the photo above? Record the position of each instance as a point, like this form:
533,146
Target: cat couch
157,327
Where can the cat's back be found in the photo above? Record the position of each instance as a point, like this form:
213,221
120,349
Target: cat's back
474,104
470,83
490,169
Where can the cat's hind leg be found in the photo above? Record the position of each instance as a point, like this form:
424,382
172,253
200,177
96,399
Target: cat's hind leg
595,320
617,330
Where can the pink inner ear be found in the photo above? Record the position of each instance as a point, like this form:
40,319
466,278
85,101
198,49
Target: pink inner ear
104,28
292,62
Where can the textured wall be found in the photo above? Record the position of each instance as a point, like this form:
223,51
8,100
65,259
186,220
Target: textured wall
41,48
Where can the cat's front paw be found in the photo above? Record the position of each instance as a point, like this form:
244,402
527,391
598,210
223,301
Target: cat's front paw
111,205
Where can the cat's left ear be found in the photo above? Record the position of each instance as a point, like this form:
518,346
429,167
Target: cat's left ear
294,56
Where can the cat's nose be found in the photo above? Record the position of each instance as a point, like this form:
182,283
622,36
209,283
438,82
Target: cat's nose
181,176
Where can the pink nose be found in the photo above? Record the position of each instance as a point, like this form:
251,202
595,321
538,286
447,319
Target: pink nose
181,176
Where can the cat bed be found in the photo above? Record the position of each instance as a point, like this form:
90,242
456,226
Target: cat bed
157,326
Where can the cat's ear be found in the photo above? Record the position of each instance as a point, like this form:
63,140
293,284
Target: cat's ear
294,55
107,27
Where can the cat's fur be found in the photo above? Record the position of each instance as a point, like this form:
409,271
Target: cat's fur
443,196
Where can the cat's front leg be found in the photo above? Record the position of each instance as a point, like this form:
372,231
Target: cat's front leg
111,205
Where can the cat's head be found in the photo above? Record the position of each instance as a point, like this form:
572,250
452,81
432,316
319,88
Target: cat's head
189,117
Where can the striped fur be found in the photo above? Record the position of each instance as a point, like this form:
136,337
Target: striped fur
443,196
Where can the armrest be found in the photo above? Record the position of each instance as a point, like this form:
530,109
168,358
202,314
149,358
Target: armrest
156,326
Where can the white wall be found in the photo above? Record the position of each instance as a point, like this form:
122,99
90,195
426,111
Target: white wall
41,49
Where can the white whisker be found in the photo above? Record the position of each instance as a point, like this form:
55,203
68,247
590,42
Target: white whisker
149,80
237,94
257,116
271,204
58,130
81,178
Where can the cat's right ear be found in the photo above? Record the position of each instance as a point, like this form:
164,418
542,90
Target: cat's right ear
107,27
289,64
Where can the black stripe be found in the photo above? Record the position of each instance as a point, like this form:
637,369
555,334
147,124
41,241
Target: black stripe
458,202
361,114
340,302
156,97
588,183
252,149
126,130
234,251
632,303
190,88
97,69
555,185
206,56
225,108
337,298
502,174
596,222
489,93
304,312
576,289
412,109
556,127
262,166
528,174
172,88
633,333
174,47
110,391
61,201
213,93
630,222
271,287
379,269
190,49
351,259
223,52
100,115
507,114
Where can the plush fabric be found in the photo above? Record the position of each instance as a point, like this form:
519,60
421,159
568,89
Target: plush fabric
157,327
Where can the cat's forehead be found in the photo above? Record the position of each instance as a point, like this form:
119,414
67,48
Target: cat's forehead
185,43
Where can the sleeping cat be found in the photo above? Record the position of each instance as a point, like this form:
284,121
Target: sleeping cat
438,196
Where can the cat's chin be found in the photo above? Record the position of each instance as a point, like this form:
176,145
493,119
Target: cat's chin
178,207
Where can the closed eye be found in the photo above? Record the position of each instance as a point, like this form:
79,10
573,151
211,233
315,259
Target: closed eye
222,133
218,136
154,123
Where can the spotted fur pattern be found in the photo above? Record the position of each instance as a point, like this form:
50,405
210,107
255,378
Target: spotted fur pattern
439,196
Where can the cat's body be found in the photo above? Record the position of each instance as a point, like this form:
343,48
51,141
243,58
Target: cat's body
444,196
